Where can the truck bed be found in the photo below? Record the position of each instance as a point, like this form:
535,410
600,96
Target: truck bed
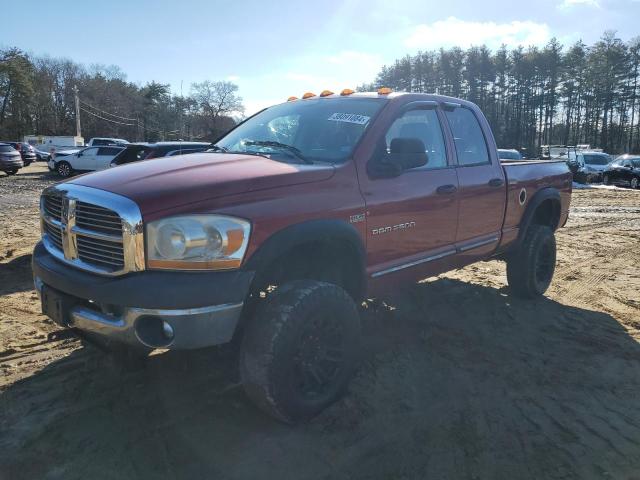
524,179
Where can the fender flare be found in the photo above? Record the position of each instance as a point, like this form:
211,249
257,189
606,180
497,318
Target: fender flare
312,231
547,193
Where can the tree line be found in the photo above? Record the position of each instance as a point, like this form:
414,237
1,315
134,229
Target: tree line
37,97
533,96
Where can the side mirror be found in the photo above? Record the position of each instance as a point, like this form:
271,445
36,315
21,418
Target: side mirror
79,154
403,154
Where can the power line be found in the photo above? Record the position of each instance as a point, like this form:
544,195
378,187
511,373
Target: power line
107,119
107,113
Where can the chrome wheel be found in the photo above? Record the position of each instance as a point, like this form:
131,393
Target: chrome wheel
64,169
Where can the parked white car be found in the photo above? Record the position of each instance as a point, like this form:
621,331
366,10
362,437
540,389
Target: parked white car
86,160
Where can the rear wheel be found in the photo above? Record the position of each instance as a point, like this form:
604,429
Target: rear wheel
530,268
64,169
11,172
300,350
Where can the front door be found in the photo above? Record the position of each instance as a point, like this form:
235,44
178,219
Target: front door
86,159
411,218
482,196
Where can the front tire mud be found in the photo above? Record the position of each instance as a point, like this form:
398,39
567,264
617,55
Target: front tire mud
300,350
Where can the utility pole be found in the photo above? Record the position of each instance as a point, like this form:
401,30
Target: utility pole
77,99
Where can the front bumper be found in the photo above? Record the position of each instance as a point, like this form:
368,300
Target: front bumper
175,310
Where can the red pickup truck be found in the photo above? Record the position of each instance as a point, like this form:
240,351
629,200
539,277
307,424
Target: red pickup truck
278,233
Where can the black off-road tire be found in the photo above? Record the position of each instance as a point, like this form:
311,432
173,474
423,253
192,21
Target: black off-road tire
530,267
64,169
606,180
11,172
300,350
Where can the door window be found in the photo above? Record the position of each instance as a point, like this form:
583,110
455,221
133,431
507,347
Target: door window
471,146
110,151
89,151
424,126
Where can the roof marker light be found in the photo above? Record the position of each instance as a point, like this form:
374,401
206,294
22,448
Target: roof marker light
291,99
384,91
326,93
346,91
308,95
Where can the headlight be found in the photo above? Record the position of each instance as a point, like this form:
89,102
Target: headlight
197,242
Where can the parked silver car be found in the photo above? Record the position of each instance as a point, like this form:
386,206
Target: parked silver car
10,159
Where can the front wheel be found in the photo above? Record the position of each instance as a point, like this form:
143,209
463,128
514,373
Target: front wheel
300,350
531,266
11,172
606,180
64,169
634,182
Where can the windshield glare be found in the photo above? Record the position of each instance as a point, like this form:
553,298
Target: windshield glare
323,129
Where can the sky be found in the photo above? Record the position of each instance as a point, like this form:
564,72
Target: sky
275,49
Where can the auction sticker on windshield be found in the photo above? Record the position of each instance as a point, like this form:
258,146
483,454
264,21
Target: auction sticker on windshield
349,118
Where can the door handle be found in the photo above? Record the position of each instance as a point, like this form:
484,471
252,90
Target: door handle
496,182
446,189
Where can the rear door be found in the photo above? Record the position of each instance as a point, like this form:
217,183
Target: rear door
482,195
411,218
104,157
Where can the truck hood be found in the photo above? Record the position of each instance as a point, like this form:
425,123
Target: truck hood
169,182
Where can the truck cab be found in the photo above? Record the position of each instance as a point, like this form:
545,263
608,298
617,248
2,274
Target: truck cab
276,234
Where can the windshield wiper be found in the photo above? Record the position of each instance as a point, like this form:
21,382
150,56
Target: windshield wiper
283,146
217,148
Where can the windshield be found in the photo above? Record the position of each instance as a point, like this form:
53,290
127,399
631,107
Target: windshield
603,159
509,155
323,129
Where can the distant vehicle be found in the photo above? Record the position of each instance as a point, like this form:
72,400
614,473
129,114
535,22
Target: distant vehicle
99,141
10,159
135,152
623,171
46,142
42,156
590,166
27,152
509,154
86,160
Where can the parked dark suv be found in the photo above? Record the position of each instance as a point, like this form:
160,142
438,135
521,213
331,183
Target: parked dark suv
10,160
623,171
144,151
27,152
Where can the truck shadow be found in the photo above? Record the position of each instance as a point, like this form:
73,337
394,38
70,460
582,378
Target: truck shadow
15,275
458,381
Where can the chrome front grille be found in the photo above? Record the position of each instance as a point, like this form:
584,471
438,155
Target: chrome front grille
92,229
97,218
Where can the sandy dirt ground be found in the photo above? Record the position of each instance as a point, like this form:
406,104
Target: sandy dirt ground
459,380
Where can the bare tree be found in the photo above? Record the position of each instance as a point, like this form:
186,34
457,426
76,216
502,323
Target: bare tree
215,101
